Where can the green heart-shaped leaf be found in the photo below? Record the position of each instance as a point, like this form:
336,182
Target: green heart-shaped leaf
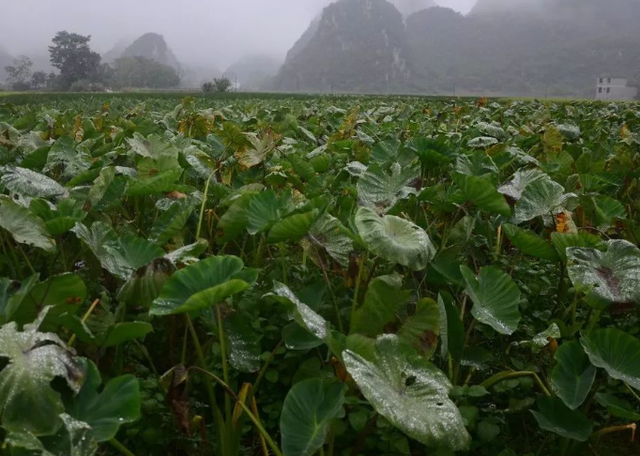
496,298
409,392
307,413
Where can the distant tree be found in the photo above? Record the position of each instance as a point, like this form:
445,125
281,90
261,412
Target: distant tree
52,81
38,80
18,73
74,58
218,85
140,72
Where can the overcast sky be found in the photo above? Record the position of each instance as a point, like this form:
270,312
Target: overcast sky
219,30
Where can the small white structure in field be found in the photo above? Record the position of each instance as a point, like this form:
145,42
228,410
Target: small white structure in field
615,89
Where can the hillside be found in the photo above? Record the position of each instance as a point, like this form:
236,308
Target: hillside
513,54
359,45
523,47
152,46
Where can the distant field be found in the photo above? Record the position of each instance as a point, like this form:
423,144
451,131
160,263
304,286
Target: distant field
303,274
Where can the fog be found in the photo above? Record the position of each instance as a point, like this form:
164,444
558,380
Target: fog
214,31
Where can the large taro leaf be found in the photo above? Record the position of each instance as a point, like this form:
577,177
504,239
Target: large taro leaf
530,243
612,276
554,416
25,226
308,319
188,254
482,194
421,327
120,255
146,283
106,409
292,228
162,182
451,329
380,189
573,374
28,403
201,285
122,332
172,221
233,222
496,298
243,343
264,210
607,211
257,153
29,183
380,307
542,197
618,407
616,352
409,392
328,233
562,242
395,239
66,157
482,142
64,293
60,219
12,295
74,439
307,413
519,182
476,165
151,147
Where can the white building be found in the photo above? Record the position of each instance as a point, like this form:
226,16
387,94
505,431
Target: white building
615,89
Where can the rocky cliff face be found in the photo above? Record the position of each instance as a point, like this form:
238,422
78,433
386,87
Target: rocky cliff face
359,45
519,47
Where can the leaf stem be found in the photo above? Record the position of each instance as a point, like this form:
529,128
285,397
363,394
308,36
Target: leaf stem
633,393
502,376
610,430
354,304
203,205
201,360
336,308
246,409
223,356
120,447
33,271
72,340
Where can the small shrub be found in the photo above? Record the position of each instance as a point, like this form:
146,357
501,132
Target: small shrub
218,85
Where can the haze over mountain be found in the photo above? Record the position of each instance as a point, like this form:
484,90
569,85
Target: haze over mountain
152,46
253,72
520,47
359,45
527,47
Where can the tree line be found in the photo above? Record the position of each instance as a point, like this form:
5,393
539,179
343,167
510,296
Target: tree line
81,69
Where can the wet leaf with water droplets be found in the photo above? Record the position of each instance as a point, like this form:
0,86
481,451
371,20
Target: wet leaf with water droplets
35,359
410,392
395,239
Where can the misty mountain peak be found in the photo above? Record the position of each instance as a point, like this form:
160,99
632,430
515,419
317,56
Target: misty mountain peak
409,7
356,42
152,46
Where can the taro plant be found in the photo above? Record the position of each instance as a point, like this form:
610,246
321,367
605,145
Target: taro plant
309,276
